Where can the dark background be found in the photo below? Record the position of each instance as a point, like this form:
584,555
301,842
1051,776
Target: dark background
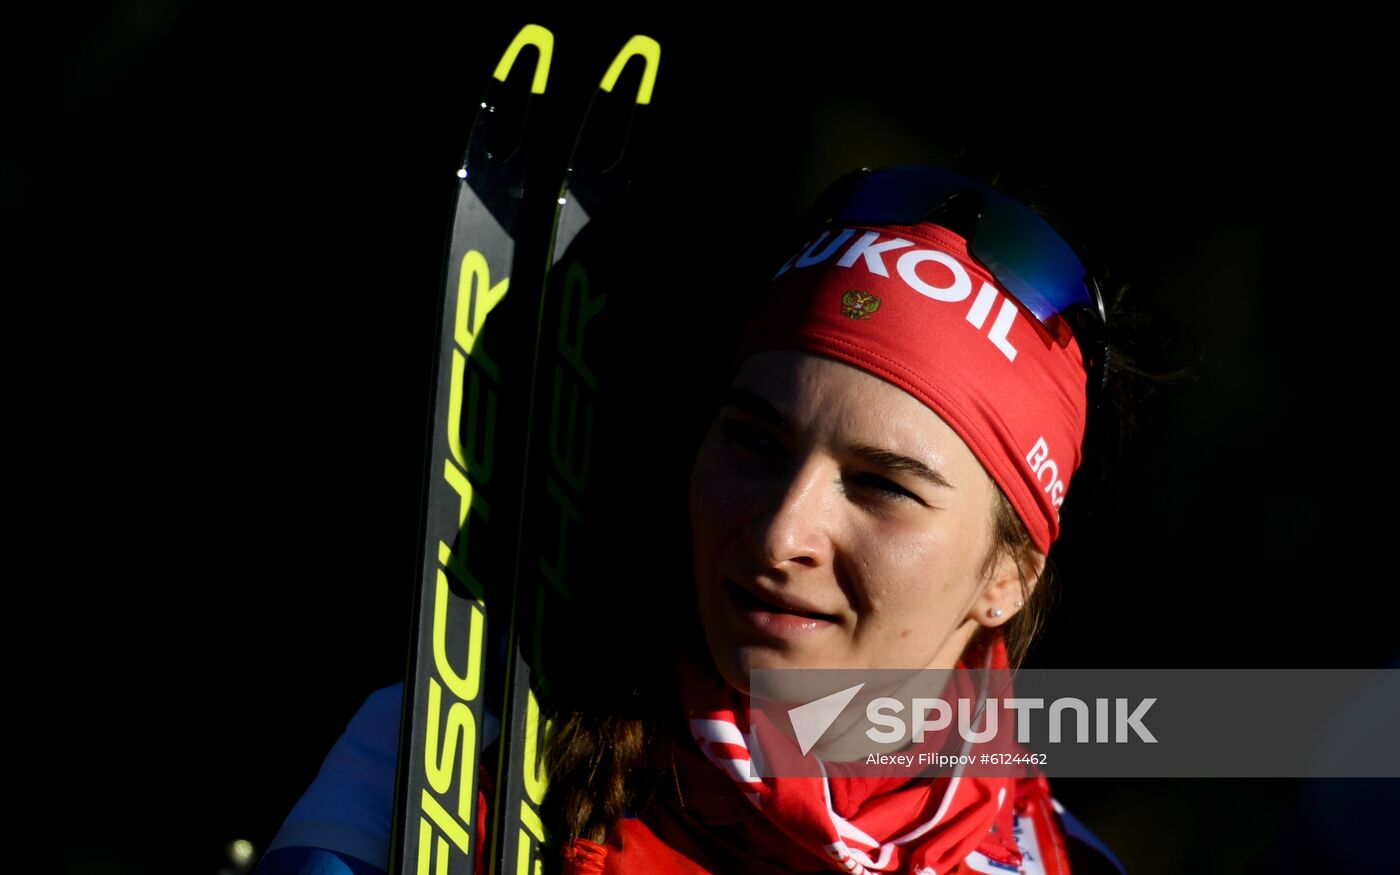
230,229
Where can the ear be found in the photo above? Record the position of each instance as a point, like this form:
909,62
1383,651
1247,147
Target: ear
1003,592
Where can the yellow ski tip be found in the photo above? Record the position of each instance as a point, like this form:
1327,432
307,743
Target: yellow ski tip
531,35
649,49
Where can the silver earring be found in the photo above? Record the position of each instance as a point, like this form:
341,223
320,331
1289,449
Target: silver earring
1020,604
994,612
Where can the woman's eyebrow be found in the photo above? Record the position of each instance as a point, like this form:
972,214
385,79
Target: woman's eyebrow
895,462
765,411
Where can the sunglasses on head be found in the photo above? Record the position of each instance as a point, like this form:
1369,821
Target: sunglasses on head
1028,258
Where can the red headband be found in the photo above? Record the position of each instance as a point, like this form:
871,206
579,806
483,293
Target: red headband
910,306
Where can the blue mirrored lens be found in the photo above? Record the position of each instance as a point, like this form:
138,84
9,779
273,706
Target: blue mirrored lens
1028,257
1030,260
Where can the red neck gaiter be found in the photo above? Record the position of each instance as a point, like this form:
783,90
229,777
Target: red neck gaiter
890,824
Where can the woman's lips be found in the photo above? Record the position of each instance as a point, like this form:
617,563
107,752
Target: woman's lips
773,617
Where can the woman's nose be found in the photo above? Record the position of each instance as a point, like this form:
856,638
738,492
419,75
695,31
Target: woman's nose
793,525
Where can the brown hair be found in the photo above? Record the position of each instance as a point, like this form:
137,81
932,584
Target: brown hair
596,765
1011,538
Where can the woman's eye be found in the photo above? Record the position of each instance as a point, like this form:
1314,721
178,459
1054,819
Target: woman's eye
750,438
877,483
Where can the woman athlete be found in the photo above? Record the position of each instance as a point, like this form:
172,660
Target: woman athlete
879,490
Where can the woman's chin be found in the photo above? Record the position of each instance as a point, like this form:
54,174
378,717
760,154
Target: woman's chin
735,662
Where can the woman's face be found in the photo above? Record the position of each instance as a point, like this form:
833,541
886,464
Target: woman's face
838,523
